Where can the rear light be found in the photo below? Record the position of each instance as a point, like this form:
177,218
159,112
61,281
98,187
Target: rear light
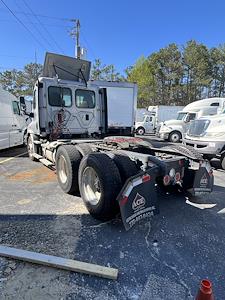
166,180
124,200
177,176
181,163
146,178
211,172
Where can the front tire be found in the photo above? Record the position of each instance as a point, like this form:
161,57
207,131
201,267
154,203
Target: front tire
175,137
67,164
140,131
31,147
100,184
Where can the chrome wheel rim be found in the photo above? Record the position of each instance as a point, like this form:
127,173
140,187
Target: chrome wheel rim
62,167
91,187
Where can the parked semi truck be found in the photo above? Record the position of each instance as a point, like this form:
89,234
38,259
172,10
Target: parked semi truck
13,122
207,135
148,120
112,173
174,130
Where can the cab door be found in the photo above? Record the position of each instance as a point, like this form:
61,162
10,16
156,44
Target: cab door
17,126
149,126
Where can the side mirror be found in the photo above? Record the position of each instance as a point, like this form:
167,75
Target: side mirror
31,115
22,104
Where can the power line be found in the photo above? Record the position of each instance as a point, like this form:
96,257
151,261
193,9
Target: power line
37,29
46,30
27,29
44,16
51,25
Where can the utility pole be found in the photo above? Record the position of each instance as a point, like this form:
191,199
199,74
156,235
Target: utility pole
75,33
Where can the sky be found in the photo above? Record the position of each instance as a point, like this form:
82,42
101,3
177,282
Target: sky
117,32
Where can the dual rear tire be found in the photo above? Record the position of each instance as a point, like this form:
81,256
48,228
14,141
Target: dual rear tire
98,176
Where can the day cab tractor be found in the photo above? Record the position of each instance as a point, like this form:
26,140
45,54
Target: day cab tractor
111,169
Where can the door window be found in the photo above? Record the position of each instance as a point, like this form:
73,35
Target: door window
16,108
85,99
190,117
58,96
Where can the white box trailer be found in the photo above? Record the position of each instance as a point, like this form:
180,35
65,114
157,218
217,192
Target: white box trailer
121,105
13,126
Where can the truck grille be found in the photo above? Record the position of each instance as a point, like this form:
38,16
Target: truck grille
198,127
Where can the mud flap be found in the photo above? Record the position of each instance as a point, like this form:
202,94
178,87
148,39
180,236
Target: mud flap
204,180
138,198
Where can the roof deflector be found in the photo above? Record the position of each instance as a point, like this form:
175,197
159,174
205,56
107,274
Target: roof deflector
66,67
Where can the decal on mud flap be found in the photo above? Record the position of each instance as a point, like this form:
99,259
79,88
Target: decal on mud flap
203,182
139,202
138,198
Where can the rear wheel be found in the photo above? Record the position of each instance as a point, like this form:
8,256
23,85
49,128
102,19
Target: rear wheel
67,164
222,161
175,137
125,165
100,184
84,149
140,131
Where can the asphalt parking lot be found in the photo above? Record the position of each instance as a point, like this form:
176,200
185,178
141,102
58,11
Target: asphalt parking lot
164,258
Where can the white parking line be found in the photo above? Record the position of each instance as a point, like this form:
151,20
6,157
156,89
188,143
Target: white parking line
10,158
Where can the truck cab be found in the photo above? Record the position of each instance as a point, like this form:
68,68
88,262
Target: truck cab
207,136
174,130
66,104
147,125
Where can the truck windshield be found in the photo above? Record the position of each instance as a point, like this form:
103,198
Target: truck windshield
181,115
58,96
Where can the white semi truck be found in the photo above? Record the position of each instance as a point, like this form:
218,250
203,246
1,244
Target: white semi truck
207,135
174,130
111,173
148,120
13,122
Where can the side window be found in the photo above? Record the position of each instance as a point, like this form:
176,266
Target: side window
58,96
190,117
16,109
85,99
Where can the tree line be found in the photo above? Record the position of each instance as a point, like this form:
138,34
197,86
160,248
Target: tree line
174,75
179,75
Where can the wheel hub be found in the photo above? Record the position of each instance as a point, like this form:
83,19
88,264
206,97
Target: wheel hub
91,186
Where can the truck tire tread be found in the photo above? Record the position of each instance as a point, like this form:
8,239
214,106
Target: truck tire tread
110,182
73,158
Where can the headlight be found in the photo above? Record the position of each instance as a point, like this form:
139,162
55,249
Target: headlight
214,134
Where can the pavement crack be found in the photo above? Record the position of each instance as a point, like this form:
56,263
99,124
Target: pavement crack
147,235
174,269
